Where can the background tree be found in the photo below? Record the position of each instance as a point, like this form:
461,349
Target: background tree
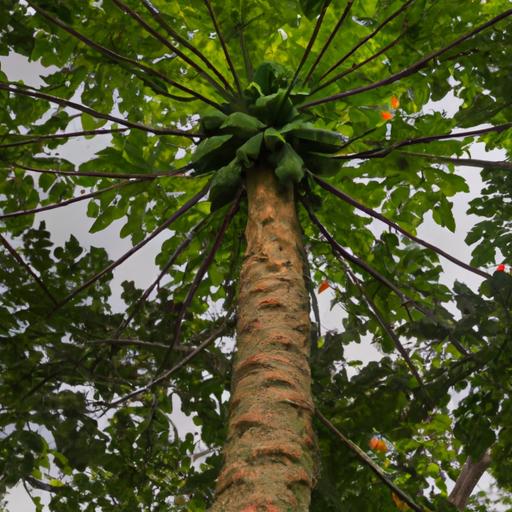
306,122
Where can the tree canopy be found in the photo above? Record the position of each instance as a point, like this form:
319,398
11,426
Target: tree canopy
335,95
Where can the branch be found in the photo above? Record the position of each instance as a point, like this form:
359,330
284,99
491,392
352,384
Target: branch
128,341
29,269
160,20
329,39
468,162
306,53
339,251
179,250
43,486
177,214
376,215
224,45
134,15
382,152
67,202
201,271
361,455
94,113
39,138
411,69
214,335
468,478
354,67
387,328
117,175
249,72
364,40
121,58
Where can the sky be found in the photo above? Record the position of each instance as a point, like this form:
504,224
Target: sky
141,268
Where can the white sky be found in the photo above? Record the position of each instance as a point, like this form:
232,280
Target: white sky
141,268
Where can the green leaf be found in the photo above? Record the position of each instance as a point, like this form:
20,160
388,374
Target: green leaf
273,139
212,120
322,165
211,152
248,152
242,125
290,166
311,8
318,140
225,183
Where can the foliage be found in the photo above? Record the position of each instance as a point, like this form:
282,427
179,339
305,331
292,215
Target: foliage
195,94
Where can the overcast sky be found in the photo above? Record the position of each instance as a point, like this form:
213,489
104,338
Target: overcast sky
141,268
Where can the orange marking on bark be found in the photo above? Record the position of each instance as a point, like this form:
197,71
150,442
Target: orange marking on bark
270,303
299,476
249,420
294,398
250,508
285,450
260,289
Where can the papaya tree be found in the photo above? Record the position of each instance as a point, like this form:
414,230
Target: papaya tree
274,150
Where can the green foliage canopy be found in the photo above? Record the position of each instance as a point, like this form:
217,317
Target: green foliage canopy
192,95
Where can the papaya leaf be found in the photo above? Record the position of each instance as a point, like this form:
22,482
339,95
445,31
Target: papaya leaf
248,152
290,166
225,183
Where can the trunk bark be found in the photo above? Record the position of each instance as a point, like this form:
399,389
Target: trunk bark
269,456
468,479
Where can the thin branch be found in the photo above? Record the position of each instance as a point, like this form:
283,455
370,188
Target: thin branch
243,45
339,251
176,215
43,486
364,40
161,378
67,202
468,162
40,138
329,39
361,455
376,215
179,250
201,271
160,20
134,15
128,342
420,64
382,152
94,113
121,58
314,300
28,268
117,175
358,65
386,327
224,45
309,46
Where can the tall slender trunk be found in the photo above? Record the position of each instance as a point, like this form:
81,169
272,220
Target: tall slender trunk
269,454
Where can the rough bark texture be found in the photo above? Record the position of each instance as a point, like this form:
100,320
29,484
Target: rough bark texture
269,455
469,476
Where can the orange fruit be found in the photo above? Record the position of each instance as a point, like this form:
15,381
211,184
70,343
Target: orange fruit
395,102
323,286
386,116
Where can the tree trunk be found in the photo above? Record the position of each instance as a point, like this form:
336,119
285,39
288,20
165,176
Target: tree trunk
270,451
469,477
